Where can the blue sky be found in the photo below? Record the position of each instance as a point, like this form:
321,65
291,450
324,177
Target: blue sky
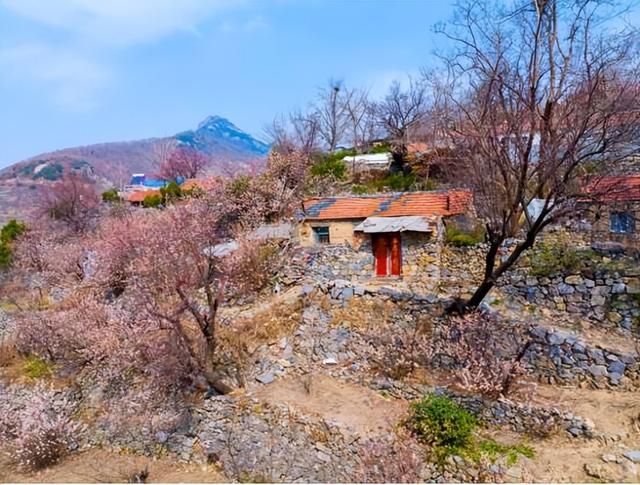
75,72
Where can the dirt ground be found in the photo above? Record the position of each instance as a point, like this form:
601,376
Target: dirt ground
102,466
563,459
353,406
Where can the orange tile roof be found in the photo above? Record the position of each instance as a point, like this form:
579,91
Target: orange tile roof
139,195
614,188
418,147
203,184
440,203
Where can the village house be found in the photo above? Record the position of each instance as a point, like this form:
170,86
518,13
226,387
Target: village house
613,211
395,235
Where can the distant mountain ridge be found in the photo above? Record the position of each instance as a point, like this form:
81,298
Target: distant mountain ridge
111,164
223,142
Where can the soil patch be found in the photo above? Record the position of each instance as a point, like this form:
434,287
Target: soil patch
358,408
102,466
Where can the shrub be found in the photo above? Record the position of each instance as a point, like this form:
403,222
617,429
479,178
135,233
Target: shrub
34,367
151,201
330,168
459,238
111,195
550,258
171,192
10,231
39,434
440,422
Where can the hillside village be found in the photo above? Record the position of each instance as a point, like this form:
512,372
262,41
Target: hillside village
441,285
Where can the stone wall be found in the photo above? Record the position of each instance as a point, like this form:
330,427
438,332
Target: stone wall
560,356
611,299
522,418
420,262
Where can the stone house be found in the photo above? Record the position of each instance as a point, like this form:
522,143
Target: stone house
395,235
612,211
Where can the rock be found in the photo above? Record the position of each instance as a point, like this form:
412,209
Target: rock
598,299
609,458
633,455
306,289
614,317
322,456
597,370
574,280
330,361
347,293
598,471
596,354
618,288
539,332
557,338
267,378
575,432
358,290
161,437
616,367
565,289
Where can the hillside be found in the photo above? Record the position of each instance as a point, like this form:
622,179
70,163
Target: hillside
228,147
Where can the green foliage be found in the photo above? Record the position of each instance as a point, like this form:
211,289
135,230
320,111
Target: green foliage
151,201
111,195
397,182
35,368
9,232
550,258
359,189
440,422
6,255
171,192
381,148
330,168
240,185
12,230
51,172
459,238
339,155
493,450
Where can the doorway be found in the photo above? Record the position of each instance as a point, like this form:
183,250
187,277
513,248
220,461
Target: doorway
387,251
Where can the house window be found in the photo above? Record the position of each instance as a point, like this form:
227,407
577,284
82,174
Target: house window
321,235
622,222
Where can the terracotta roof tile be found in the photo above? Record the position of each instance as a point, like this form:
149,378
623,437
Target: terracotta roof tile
615,188
139,195
442,203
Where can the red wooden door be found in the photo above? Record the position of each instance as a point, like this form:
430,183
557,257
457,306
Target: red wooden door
396,254
381,252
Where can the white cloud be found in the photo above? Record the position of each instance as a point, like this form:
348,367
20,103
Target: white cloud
120,22
252,25
70,80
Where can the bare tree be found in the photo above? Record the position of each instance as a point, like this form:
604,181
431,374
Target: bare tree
332,114
537,93
306,131
361,115
399,112
72,200
161,150
183,162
